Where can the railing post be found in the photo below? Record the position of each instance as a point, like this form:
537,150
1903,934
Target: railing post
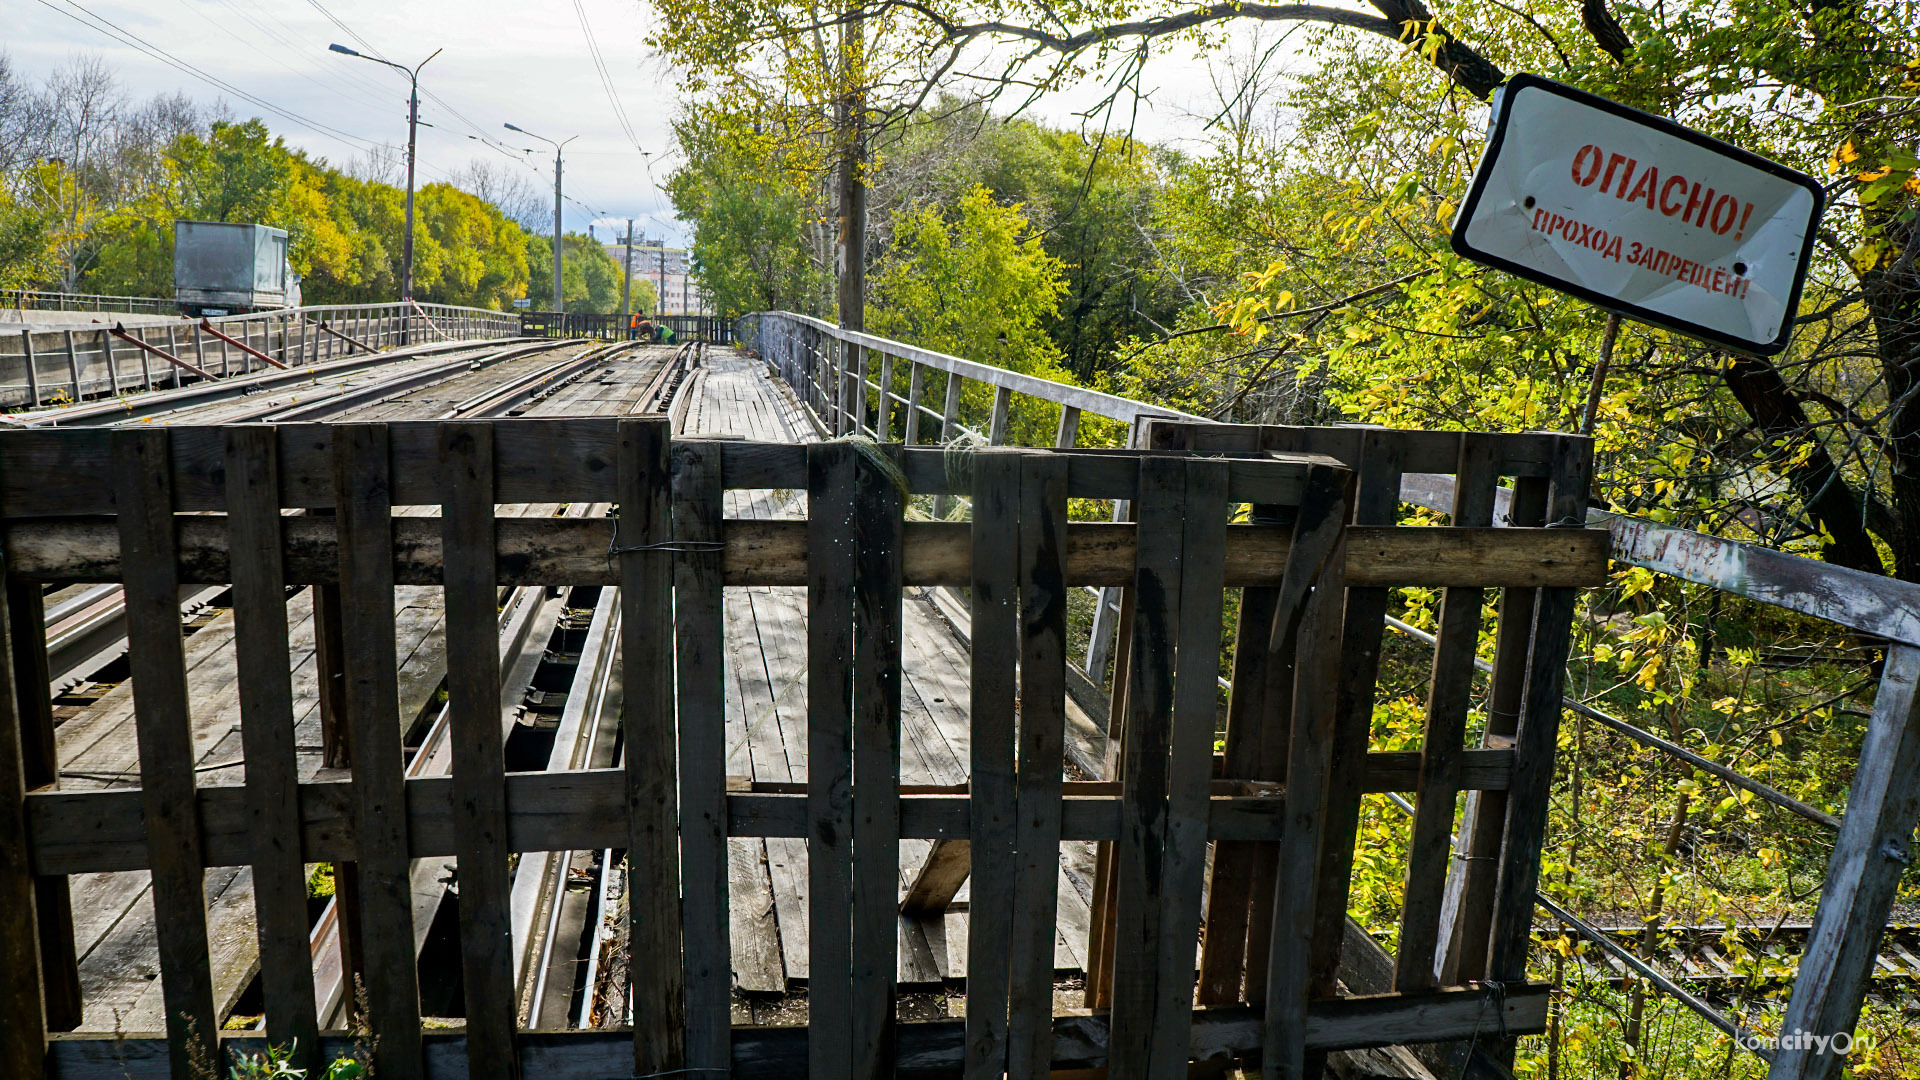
173,347
113,363
950,412
200,348
883,425
73,366
33,372
997,428
1068,432
1873,850
915,386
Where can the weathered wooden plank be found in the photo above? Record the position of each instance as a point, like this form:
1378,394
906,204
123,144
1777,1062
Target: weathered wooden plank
101,831
1869,858
538,550
994,640
878,629
157,665
928,1048
362,468
40,765
941,873
651,789
700,636
1042,743
22,1031
1468,904
1377,503
1312,631
1225,952
267,738
1510,932
1139,861
1190,762
479,752
831,570
1449,695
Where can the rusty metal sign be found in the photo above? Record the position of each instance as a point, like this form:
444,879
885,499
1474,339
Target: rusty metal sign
1641,216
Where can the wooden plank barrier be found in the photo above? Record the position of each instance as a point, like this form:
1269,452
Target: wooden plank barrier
158,507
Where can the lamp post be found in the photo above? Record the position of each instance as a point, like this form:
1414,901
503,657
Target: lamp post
558,301
413,127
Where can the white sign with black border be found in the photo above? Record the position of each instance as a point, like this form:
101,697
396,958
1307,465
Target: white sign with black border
1641,216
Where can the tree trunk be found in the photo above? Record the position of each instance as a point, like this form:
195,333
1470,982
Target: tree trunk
850,127
1777,414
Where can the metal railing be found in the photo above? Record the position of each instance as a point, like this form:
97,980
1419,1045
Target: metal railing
98,360
829,369
40,300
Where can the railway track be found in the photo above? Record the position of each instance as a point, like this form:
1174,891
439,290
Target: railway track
1723,959
535,628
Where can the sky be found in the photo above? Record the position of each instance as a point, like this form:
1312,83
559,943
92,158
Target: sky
523,63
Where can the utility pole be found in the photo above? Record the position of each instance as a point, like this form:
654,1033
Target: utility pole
661,300
413,131
559,302
626,280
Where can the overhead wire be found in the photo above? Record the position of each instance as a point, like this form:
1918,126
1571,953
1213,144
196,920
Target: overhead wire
103,25
606,78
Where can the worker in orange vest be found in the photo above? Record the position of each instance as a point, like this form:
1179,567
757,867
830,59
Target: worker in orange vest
636,324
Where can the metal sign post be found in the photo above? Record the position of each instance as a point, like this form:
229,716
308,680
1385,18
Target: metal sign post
1643,217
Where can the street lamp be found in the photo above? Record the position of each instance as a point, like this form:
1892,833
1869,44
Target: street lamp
558,301
413,124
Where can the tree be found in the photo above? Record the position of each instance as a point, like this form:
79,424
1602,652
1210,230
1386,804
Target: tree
976,284
590,281
750,204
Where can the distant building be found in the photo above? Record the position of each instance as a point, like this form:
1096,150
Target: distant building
668,269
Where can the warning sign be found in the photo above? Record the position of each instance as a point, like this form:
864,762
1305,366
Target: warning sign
1641,216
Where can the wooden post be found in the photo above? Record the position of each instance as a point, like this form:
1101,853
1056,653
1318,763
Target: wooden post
260,619
1068,433
883,427
479,765
653,824
33,373
1872,852
173,349
700,637
997,428
831,506
949,430
113,363
73,365
915,387
40,763
994,633
199,348
156,659
23,1014
362,489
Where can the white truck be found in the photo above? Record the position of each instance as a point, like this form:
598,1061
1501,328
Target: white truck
231,268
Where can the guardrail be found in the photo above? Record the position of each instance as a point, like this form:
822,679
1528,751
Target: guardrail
97,360
828,367
39,300
606,326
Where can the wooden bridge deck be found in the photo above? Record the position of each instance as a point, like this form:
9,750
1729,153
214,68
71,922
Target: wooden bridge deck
766,721
115,936
766,710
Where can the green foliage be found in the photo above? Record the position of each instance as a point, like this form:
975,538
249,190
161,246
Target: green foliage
748,201
100,217
977,284
589,278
